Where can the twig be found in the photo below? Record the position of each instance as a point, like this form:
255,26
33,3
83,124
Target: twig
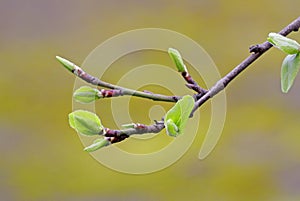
181,67
107,93
258,50
76,70
192,84
115,136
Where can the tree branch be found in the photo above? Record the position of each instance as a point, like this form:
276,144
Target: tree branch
118,135
258,50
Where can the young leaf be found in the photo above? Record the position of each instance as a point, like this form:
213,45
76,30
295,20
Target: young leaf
176,118
289,69
285,44
176,57
86,94
86,123
97,144
172,129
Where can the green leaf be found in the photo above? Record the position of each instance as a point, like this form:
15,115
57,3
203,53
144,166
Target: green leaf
289,70
85,122
86,94
177,59
285,44
67,64
176,118
97,144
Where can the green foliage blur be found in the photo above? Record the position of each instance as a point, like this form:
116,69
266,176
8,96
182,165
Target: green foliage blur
41,157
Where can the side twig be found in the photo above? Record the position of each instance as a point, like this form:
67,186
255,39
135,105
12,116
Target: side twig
192,84
181,67
115,136
76,70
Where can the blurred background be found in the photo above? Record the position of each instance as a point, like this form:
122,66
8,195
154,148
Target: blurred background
41,157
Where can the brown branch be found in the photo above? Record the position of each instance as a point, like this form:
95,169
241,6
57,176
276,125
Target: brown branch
107,93
192,84
257,50
115,136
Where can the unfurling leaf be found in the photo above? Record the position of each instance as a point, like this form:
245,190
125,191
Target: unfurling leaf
176,57
289,69
172,128
86,94
176,118
85,122
285,44
97,144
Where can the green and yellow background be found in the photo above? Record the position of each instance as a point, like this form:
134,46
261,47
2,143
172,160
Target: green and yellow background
41,157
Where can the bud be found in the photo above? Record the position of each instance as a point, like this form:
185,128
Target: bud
67,64
171,127
176,57
86,94
285,44
86,123
97,144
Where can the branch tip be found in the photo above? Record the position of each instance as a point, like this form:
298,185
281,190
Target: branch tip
67,64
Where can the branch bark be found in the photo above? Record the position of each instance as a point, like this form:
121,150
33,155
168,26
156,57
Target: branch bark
192,84
257,50
115,136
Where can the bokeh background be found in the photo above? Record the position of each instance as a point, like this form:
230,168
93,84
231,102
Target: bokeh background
41,157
